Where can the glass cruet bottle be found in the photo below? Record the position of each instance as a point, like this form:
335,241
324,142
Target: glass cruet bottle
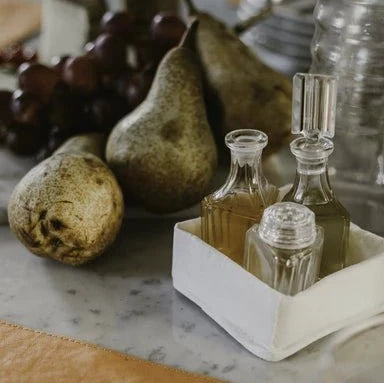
313,116
229,212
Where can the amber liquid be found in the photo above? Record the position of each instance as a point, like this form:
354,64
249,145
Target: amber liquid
335,220
225,222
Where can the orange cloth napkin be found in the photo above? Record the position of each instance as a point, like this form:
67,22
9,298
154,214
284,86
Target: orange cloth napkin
18,20
29,356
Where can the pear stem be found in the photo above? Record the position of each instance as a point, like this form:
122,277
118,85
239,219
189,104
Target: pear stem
192,10
242,26
189,38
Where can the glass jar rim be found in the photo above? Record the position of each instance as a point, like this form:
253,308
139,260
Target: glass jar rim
246,140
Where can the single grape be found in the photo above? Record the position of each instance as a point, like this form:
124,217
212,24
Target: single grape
120,24
67,111
64,110
122,83
27,108
37,79
17,54
148,52
167,29
56,137
25,139
30,54
138,88
89,49
136,93
81,74
53,144
110,53
105,110
58,63
109,80
59,133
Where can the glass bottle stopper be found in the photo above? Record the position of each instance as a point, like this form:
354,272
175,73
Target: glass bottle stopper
244,143
288,225
314,106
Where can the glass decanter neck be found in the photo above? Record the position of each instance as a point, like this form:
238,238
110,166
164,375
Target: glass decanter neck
246,147
246,173
312,158
241,159
311,168
311,186
246,170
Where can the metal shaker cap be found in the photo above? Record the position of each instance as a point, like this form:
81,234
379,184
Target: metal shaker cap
288,225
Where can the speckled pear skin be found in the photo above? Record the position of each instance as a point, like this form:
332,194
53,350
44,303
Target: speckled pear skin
243,92
164,153
68,208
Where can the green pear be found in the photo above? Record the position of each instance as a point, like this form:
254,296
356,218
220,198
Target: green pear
69,207
242,92
163,152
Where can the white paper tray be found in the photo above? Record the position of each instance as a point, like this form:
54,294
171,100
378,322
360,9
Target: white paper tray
269,324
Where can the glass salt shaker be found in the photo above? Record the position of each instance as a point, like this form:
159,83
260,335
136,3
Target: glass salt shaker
228,213
285,249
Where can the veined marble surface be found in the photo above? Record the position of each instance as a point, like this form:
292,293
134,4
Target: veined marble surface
125,301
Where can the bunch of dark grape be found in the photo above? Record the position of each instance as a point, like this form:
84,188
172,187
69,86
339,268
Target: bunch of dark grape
88,93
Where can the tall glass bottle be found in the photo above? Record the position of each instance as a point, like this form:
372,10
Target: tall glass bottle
348,42
229,212
314,108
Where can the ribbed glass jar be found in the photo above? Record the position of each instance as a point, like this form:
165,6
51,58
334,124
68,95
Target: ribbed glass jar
348,42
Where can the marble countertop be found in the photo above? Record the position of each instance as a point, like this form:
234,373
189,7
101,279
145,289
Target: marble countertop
125,301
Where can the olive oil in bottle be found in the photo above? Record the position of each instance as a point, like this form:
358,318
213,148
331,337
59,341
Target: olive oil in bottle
314,109
229,212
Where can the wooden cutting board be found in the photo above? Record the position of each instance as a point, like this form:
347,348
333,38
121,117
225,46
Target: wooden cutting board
18,20
29,356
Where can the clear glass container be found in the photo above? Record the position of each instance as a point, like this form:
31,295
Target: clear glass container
327,40
228,213
285,249
348,42
314,102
